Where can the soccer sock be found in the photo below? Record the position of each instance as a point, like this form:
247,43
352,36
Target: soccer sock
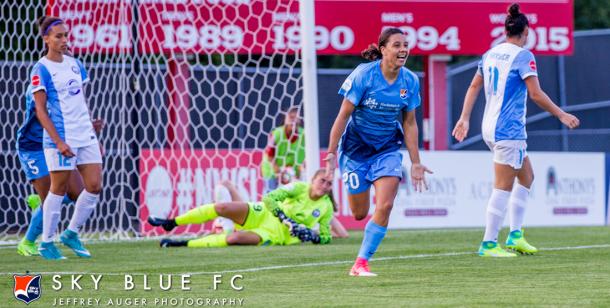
35,227
197,215
373,235
212,240
496,210
51,211
516,206
85,204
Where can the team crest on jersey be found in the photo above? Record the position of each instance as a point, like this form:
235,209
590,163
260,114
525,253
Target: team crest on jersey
75,69
73,87
403,93
533,65
35,80
316,213
27,288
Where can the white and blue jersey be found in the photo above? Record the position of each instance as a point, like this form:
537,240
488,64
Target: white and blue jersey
63,84
370,145
373,128
504,69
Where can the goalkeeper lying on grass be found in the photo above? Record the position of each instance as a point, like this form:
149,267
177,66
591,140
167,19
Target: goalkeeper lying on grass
285,216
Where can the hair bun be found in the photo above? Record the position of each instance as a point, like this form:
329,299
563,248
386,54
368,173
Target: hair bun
513,10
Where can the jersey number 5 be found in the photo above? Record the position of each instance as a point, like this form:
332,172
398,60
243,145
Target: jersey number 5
33,167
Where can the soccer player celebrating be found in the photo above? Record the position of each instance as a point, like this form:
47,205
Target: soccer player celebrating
69,139
508,73
375,94
297,207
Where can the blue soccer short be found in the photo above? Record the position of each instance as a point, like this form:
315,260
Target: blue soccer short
358,176
34,164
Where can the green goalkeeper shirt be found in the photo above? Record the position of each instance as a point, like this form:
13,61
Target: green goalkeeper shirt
294,201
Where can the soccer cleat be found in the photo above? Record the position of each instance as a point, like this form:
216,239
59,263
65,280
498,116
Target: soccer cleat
492,249
34,201
48,251
70,239
516,241
27,248
166,224
361,269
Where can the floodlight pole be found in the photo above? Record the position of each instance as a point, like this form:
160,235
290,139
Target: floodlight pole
310,86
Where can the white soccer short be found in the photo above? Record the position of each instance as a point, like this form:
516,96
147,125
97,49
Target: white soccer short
509,152
84,155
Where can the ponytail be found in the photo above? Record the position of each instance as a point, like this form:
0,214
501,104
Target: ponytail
373,52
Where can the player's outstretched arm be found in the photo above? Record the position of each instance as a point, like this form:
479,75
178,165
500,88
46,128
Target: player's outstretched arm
541,99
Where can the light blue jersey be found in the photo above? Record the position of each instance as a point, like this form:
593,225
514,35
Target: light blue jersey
63,84
504,69
373,128
29,142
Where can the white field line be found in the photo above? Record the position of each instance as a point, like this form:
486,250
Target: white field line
13,244
317,264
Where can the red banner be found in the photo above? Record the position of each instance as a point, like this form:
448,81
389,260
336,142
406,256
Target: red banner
342,26
95,26
175,181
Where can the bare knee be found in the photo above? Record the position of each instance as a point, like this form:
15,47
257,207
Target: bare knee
59,190
360,216
527,180
95,189
384,209
221,208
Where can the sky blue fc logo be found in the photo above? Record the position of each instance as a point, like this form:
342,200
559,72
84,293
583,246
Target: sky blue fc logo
27,288
403,93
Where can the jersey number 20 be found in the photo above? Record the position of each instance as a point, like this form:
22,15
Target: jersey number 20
351,179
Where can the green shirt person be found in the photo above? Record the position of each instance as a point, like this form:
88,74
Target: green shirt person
285,152
282,218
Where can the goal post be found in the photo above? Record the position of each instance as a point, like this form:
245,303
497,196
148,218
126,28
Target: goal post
310,86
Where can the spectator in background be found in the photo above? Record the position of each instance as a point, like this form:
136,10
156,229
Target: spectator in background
285,152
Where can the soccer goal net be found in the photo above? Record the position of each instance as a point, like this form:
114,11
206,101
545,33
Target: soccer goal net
188,90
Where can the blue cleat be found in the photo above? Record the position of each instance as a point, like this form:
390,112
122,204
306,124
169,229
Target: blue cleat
48,251
70,239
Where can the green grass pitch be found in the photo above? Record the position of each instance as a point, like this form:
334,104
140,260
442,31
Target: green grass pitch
416,268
